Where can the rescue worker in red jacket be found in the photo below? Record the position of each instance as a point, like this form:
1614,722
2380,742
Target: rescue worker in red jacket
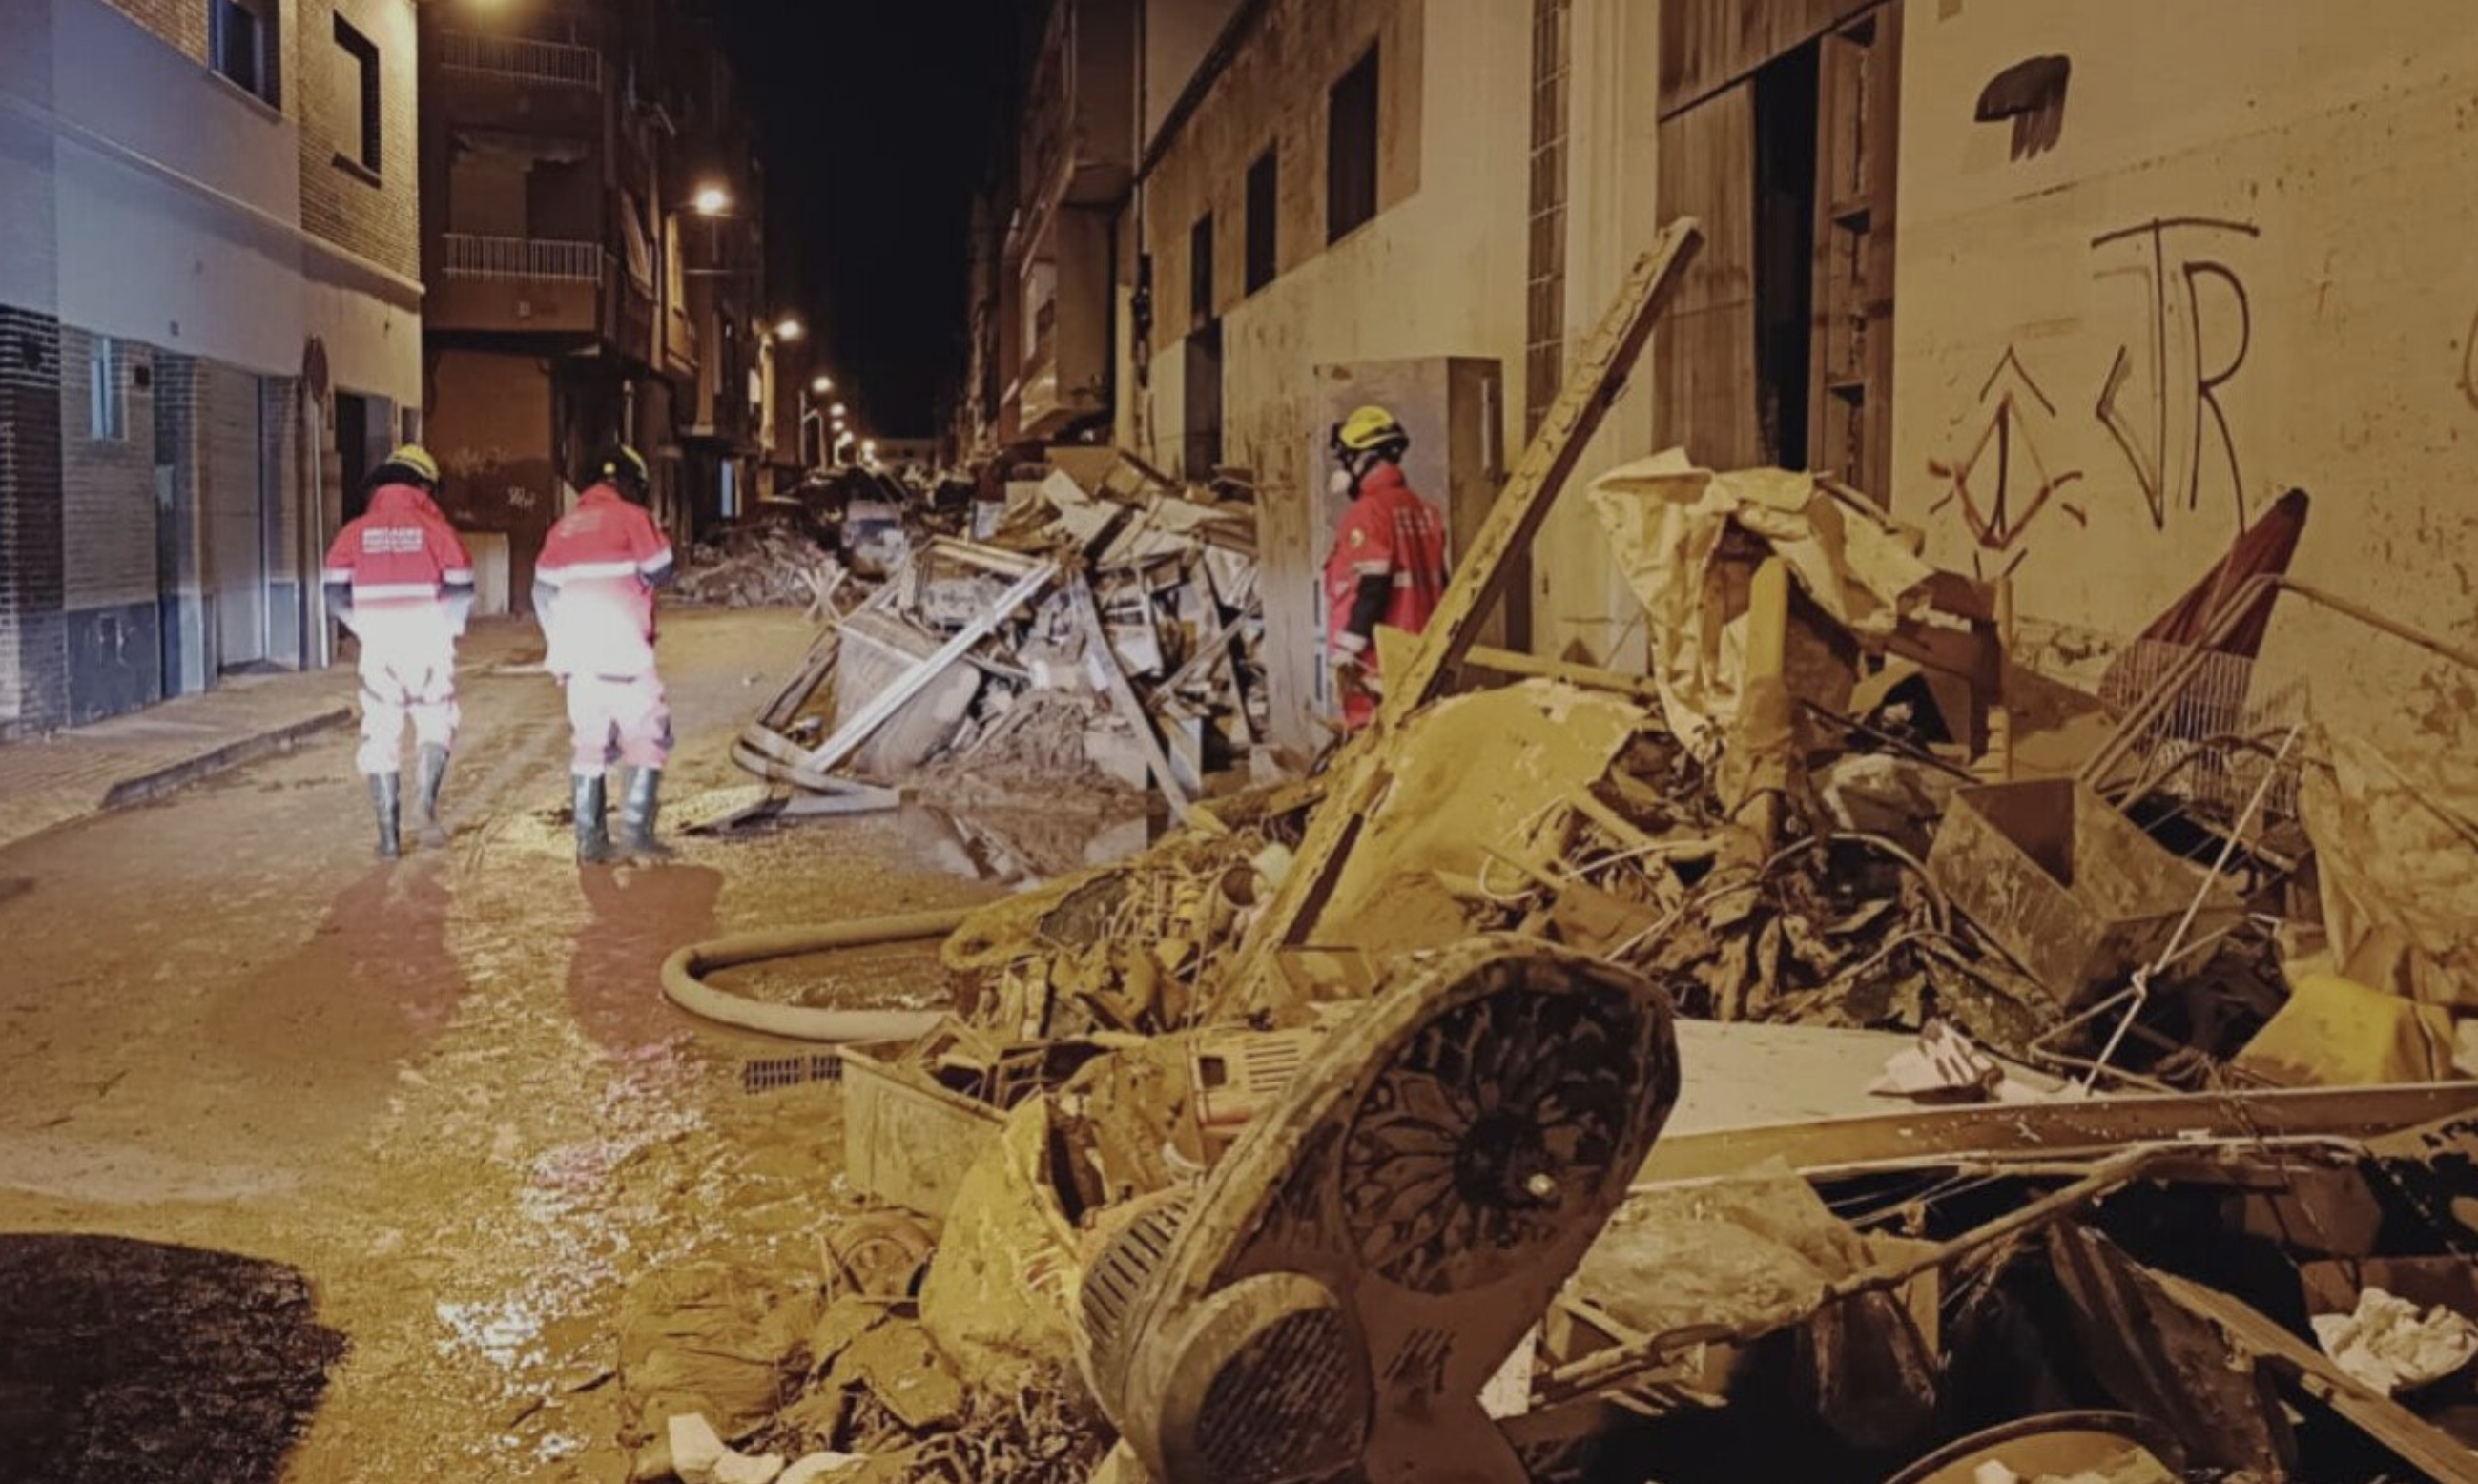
399,579
593,591
1389,555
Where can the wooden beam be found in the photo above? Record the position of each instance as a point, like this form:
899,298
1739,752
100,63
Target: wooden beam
1123,695
1509,662
848,736
1599,375
2412,1439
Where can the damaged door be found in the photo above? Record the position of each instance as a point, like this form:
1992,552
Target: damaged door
1777,131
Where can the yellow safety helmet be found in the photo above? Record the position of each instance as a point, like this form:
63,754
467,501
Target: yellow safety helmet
626,467
1368,430
418,459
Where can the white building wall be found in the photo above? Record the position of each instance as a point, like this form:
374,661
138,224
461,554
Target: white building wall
2303,319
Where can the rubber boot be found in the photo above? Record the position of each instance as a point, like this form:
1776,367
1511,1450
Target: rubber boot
386,801
592,840
430,773
637,817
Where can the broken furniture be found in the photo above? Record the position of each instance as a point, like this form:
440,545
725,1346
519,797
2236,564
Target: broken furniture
1098,637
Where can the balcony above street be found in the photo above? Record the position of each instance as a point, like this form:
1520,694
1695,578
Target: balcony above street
515,284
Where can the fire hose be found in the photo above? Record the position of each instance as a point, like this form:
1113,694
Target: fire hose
684,979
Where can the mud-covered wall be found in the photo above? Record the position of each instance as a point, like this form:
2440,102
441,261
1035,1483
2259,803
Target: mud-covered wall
2232,257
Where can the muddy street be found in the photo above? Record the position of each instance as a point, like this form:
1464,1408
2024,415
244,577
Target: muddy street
443,1095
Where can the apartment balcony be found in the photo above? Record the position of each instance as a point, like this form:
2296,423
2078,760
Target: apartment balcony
1076,143
517,285
516,85
519,59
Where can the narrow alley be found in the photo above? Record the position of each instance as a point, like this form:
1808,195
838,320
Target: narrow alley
446,1093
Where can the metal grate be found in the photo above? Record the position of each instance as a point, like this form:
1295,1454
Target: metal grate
775,1073
2206,746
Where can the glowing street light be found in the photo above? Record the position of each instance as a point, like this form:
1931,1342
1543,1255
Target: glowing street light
789,329
711,200
823,385
837,410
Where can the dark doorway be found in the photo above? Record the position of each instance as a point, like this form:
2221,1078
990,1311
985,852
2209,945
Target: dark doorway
1203,444
353,452
1785,187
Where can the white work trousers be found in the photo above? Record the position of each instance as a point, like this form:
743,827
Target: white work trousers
408,673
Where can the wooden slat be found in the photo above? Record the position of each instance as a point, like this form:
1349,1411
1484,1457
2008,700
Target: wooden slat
848,736
2409,1437
1548,461
1123,695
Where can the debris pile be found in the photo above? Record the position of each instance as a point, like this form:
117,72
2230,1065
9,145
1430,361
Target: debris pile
1394,1122
1095,639
760,564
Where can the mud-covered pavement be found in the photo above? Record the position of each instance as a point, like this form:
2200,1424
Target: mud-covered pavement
444,1092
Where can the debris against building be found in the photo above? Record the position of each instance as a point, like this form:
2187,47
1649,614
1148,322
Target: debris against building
1089,636
1839,1055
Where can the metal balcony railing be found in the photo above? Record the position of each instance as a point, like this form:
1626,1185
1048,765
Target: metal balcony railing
539,62
466,256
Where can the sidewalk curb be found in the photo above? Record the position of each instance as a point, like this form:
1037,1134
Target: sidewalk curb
231,755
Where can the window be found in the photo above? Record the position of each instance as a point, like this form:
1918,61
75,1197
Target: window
240,46
107,395
1263,204
1199,272
1351,150
359,57
1544,338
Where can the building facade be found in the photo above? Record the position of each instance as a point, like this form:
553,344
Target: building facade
210,310
594,245
2077,289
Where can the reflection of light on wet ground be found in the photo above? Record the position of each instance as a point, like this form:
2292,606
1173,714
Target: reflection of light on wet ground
502,1333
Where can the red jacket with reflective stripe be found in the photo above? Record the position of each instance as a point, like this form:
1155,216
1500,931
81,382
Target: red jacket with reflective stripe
602,562
1388,531
402,554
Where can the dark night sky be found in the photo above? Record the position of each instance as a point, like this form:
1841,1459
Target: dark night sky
877,119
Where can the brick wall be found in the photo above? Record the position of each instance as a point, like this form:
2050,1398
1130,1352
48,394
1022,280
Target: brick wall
108,528
378,217
33,666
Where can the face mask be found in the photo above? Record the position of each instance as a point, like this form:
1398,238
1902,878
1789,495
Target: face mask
1340,484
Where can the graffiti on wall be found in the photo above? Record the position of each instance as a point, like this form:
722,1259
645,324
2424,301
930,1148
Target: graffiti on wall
2185,333
2161,399
2005,484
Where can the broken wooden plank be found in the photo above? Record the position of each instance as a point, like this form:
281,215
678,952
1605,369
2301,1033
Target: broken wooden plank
848,736
1509,662
1097,645
1599,374
2407,1436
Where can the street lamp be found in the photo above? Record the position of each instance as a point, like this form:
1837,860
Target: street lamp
789,329
837,409
823,385
711,200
